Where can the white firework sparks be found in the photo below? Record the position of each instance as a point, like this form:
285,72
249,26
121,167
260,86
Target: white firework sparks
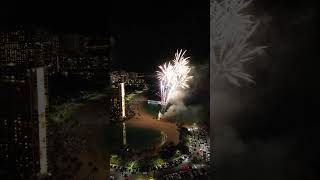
173,75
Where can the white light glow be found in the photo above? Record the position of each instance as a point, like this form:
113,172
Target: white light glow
123,105
42,120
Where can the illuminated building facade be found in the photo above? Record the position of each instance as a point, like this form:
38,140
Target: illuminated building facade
23,114
115,112
122,100
18,47
85,57
118,103
24,104
131,79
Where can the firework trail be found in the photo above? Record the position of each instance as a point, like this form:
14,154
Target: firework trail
173,75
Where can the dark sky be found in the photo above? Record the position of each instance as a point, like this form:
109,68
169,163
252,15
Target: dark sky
145,32
149,34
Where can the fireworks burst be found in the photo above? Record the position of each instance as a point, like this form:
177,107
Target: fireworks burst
173,75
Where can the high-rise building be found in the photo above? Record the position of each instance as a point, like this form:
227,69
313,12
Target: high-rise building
23,114
98,47
85,58
27,58
32,47
24,104
15,47
122,100
118,103
115,111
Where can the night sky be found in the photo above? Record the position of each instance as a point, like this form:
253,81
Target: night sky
146,33
149,34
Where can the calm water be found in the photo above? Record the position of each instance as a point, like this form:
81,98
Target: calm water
137,138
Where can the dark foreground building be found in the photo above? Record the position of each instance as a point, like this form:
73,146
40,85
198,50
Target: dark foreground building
34,62
23,115
23,105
